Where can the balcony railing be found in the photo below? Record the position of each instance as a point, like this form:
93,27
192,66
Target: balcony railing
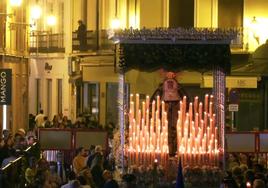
95,41
46,42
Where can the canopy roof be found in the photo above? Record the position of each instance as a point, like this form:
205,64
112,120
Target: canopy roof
174,49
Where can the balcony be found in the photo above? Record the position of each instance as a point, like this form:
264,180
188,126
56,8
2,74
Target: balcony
46,42
97,42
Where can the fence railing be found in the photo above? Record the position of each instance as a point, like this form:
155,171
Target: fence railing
12,175
46,42
95,41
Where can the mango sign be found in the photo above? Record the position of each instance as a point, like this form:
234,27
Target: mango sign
5,86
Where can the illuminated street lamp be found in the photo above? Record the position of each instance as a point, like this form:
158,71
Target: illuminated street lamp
36,12
51,20
15,3
115,24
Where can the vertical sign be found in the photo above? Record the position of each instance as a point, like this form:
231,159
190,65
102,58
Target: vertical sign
5,86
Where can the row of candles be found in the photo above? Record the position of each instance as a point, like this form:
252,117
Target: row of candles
148,132
197,134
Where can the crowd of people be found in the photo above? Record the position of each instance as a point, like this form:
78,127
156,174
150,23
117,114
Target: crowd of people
62,121
94,167
246,171
11,146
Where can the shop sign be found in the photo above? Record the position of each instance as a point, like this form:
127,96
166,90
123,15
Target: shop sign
233,82
233,107
5,86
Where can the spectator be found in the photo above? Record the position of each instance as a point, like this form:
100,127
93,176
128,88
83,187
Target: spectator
82,36
83,182
98,150
39,119
30,172
71,181
109,181
88,177
97,170
55,122
46,123
4,151
12,155
79,162
258,183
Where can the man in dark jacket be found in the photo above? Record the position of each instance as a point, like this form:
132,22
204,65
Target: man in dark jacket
82,35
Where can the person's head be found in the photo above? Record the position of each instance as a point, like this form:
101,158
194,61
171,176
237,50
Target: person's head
98,149
5,133
71,176
80,22
30,140
21,132
86,173
107,175
41,111
9,140
81,151
258,183
249,176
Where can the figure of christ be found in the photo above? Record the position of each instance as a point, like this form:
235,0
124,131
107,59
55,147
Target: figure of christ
171,92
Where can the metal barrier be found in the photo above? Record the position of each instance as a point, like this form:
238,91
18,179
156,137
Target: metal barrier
53,140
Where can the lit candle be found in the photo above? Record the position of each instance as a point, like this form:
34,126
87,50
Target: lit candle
143,110
206,103
158,104
131,98
195,105
137,105
147,102
153,110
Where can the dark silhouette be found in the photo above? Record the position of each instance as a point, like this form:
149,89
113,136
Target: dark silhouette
82,35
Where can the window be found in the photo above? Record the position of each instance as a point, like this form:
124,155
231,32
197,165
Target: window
91,97
38,97
49,98
59,84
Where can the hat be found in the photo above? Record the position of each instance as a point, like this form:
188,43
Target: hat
22,131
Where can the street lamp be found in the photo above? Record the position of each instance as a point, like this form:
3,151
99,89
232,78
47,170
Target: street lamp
115,24
36,12
51,20
15,3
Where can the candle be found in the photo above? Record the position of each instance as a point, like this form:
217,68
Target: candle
137,105
143,110
206,103
195,105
